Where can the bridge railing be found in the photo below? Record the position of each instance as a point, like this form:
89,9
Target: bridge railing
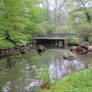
60,35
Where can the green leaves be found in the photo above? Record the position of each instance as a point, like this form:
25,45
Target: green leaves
15,16
19,38
6,44
79,82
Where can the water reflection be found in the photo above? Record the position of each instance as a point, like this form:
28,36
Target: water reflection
66,68
17,73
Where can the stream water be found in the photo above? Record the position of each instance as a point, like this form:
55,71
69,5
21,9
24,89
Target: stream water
18,72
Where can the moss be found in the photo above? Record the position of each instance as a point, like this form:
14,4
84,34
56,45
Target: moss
79,82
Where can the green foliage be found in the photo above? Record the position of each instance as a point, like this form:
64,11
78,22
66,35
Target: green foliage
65,29
11,16
19,38
90,40
15,16
79,82
83,12
73,41
40,23
84,31
81,24
19,18
44,75
6,44
49,28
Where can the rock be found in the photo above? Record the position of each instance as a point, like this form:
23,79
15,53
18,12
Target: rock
84,45
80,50
83,48
24,49
69,56
15,50
41,49
16,47
90,50
73,48
30,45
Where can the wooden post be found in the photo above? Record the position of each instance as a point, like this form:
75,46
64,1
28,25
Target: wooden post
58,43
63,41
54,43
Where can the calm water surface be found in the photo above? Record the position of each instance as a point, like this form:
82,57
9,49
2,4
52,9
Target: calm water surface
18,73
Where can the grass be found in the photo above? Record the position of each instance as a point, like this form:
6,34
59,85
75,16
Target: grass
78,82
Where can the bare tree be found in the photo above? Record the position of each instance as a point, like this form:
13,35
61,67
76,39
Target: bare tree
57,8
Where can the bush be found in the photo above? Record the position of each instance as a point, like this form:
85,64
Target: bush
90,41
84,31
6,44
19,38
15,39
73,41
46,77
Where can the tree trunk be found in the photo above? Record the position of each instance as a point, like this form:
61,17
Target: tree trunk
86,39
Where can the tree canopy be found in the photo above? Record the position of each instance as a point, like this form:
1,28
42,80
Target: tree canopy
21,19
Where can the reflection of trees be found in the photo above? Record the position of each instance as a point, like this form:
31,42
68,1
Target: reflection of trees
86,60
10,62
18,70
11,71
64,67
6,66
58,62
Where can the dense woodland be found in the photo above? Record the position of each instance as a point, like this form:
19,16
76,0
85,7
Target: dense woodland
22,19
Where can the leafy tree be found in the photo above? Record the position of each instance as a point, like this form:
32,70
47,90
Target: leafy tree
14,18
85,31
81,17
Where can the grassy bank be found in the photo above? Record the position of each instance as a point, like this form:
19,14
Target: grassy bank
79,82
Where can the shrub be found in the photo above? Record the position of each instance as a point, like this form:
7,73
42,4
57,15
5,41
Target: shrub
6,44
73,41
46,77
90,41
85,31
19,38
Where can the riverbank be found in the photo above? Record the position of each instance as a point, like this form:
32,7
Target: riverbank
8,48
78,82
4,52
14,50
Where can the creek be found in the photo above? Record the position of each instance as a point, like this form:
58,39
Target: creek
18,72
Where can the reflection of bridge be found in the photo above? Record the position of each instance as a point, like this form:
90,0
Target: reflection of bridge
54,40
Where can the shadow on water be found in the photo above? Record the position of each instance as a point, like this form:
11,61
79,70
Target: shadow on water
17,73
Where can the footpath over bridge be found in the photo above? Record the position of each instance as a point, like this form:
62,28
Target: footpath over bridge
54,40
